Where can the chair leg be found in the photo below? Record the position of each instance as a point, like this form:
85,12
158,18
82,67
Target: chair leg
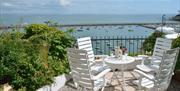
139,85
102,89
84,89
76,85
112,77
80,88
105,82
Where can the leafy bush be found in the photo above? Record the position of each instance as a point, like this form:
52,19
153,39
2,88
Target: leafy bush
58,42
148,44
176,43
32,59
21,64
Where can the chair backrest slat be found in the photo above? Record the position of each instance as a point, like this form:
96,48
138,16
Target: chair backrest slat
83,66
87,85
86,44
161,45
167,66
162,41
158,50
158,54
79,64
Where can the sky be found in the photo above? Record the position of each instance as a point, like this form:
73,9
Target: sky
89,6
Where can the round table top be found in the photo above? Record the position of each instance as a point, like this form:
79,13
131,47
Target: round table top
124,60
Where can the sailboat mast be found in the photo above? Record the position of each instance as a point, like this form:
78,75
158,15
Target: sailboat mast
179,6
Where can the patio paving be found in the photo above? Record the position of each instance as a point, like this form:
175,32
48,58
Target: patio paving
111,87
130,76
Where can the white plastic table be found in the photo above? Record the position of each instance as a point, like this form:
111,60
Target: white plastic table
117,63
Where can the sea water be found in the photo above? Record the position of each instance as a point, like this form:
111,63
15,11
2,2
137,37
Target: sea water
80,18
93,31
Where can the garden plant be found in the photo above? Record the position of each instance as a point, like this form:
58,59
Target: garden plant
31,59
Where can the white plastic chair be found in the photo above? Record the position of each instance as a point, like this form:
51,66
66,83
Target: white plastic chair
161,45
161,80
81,71
86,44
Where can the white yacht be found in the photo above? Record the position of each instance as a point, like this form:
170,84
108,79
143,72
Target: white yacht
167,30
172,36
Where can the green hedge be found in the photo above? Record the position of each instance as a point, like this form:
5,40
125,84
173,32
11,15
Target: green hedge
176,43
32,59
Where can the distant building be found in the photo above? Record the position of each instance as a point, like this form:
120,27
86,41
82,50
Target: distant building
166,30
177,17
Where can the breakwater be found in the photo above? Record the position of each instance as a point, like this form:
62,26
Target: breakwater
147,25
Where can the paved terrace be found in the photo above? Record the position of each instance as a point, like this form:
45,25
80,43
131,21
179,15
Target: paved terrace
130,76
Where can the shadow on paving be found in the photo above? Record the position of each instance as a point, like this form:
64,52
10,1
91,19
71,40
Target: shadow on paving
174,85
71,87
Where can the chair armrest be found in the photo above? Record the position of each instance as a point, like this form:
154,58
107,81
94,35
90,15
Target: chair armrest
101,56
150,58
144,56
101,61
92,63
101,74
147,59
142,74
145,68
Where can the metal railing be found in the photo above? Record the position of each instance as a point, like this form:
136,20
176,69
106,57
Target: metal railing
104,45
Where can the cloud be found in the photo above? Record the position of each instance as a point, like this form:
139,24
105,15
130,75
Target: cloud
88,6
65,3
7,4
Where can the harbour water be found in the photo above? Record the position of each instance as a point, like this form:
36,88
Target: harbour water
79,19
112,31
127,31
8,19
114,36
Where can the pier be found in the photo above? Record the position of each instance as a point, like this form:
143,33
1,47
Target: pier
147,25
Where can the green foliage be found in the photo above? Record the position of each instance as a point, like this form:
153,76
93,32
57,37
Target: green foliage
148,44
176,43
130,30
135,54
20,61
57,39
32,59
